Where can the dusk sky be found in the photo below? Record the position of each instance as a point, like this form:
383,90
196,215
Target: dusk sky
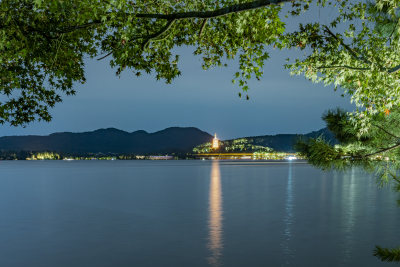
279,103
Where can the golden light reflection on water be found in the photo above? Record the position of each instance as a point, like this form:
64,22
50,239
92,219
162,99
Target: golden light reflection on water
215,243
288,219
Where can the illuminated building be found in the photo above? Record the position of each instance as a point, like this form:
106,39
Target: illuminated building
215,142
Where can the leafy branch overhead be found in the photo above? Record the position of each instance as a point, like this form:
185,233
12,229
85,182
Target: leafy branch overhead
43,45
363,60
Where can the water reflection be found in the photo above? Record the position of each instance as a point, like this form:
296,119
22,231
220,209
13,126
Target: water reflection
215,243
349,210
289,218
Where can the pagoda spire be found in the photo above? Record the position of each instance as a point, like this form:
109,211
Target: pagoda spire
215,142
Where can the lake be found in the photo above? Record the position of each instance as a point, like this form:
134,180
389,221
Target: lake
191,213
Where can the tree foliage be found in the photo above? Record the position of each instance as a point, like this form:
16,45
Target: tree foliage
363,60
377,150
387,254
44,43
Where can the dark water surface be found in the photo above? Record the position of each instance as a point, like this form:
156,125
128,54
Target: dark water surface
191,213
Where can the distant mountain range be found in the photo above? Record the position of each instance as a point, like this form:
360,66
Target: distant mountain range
114,141
108,141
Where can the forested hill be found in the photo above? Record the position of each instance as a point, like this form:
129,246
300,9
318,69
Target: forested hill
111,140
114,141
285,142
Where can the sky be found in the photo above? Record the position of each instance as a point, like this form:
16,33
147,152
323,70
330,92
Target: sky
279,103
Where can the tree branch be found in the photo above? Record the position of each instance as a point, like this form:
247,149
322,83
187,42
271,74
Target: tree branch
344,66
394,69
348,48
107,55
382,150
203,25
393,31
156,35
236,8
79,27
354,54
394,177
215,13
148,38
383,129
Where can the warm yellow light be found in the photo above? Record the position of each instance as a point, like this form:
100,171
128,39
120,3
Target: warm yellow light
215,242
215,142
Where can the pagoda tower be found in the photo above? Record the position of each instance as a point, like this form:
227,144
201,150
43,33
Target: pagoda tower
215,142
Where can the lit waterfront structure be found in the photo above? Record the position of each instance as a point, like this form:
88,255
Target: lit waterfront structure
250,155
166,157
215,142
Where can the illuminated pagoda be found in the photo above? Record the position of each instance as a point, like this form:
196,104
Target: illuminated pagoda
215,142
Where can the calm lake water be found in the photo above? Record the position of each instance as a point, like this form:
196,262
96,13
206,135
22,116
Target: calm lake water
191,213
